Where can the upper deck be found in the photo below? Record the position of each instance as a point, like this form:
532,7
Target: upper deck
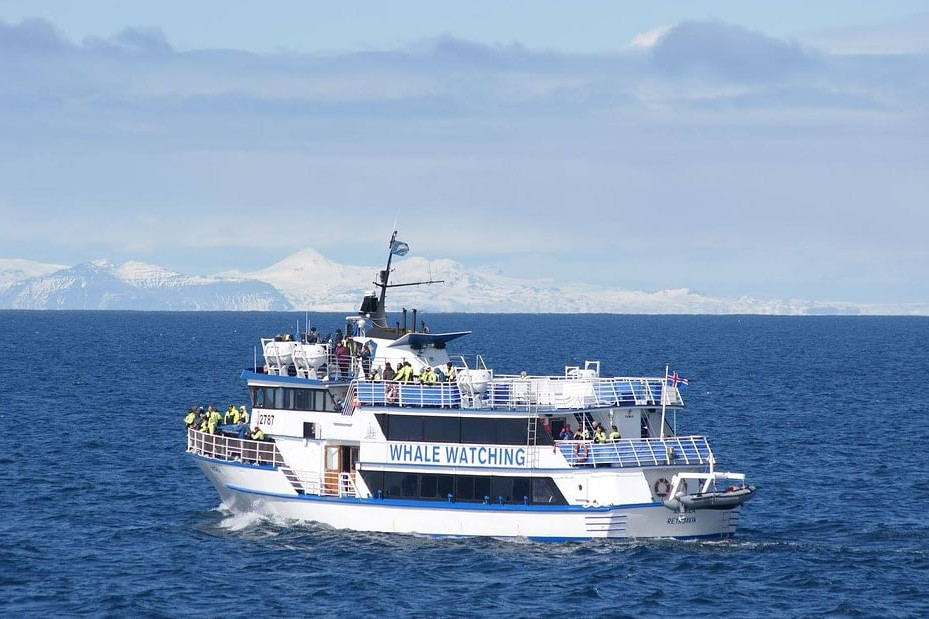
542,394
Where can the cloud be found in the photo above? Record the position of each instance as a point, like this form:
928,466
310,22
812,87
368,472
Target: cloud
145,41
704,161
726,51
31,36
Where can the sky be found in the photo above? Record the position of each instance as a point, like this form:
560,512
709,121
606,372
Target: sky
776,150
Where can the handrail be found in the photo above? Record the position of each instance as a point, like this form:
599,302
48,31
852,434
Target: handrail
222,447
531,393
637,452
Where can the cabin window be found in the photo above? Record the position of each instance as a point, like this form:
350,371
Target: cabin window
478,430
409,485
545,491
406,428
428,487
464,488
282,398
309,430
512,431
441,429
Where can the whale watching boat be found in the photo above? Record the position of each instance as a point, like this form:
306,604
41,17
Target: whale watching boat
389,431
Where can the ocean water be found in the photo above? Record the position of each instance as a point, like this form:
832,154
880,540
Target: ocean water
103,514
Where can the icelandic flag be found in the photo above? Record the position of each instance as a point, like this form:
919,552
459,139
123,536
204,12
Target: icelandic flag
674,380
399,248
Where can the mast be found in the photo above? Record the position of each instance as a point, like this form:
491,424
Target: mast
378,316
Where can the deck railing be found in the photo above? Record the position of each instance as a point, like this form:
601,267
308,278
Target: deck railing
638,452
224,447
542,394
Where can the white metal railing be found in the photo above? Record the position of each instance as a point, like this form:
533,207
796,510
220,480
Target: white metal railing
233,448
571,392
329,483
530,393
636,452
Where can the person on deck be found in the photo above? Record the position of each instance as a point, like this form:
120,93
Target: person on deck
231,416
405,373
450,374
389,373
313,336
600,435
213,418
257,434
614,434
191,417
427,377
342,358
566,433
243,416
366,359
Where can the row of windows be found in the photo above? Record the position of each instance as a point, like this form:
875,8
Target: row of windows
286,398
479,430
463,488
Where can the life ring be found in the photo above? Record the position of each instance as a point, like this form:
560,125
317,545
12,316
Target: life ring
662,487
580,453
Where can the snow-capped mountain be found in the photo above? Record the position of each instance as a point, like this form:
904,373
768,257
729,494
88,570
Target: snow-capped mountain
135,286
309,281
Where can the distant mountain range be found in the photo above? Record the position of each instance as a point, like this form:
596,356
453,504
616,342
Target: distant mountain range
308,281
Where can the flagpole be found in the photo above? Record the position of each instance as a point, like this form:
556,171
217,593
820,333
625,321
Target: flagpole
664,397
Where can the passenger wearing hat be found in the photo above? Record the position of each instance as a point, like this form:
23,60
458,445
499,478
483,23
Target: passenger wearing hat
257,434
243,415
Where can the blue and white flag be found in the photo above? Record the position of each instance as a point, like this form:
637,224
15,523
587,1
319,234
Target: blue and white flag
674,380
399,248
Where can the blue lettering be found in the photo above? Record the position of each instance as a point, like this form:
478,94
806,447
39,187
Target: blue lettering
407,452
482,455
471,458
419,453
451,454
435,453
521,456
507,457
492,456
395,452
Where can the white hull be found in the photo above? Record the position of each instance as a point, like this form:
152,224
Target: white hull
239,485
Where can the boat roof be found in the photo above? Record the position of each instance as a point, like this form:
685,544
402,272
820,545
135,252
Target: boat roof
420,340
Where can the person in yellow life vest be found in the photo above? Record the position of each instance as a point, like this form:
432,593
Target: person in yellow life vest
614,434
427,377
257,434
190,417
450,373
600,435
243,415
405,373
231,415
212,419
375,375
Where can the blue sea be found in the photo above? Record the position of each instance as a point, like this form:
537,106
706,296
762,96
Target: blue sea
103,514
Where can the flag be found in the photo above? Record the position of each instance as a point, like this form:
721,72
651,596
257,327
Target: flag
674,380
399,248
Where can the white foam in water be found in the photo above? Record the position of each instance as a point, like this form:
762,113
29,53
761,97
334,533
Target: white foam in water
239,521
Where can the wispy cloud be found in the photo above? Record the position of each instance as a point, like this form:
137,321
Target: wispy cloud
619,167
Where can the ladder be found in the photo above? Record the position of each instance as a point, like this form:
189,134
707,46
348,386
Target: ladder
532,450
